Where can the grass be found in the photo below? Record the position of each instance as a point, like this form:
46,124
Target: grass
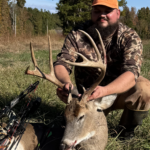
13,80
21,43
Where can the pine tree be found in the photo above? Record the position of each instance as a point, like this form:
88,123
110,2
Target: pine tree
122,3
129,16
143,25
21,3
73,12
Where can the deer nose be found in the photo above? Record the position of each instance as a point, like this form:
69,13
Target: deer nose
64,146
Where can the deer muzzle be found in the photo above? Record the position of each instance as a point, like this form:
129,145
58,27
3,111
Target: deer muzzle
66,146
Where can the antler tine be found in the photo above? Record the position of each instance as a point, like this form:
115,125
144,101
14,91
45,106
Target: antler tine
100,78
37,72
50,56
93,43
51,76
32,55
103,47
86,62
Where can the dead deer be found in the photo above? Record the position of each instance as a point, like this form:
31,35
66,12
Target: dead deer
86,126
28,141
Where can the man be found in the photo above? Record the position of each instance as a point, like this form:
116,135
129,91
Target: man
123,48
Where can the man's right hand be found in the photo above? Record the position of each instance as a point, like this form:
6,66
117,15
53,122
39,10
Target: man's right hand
63,93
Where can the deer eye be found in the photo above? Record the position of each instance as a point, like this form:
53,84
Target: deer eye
81,118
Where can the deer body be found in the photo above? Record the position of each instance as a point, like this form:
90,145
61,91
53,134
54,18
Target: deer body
28,141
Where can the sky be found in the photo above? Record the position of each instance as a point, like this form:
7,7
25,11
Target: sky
43,4
51,4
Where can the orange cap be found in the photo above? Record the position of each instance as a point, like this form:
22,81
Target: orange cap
108,3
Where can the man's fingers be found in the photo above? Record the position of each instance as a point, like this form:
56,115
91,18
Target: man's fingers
94,95
96,88
67,85
62,97
91,98
62,92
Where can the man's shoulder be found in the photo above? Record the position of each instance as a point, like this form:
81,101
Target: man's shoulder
127,32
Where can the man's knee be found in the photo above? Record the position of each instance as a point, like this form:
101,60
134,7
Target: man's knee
139,96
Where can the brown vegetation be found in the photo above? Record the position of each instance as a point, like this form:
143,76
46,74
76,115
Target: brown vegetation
21,43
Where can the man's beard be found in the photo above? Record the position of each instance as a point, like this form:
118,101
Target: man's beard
104,31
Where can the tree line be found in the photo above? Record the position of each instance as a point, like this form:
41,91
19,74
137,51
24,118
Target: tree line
138,20
15,17
73,12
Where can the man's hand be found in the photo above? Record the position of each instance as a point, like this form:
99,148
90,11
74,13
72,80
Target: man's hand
98,92
63,93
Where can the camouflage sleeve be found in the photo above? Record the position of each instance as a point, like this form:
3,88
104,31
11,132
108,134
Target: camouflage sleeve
132,54
67,52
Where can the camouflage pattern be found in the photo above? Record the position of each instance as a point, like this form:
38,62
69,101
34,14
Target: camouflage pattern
124,53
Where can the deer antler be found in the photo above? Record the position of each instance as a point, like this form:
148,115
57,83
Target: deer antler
37,72
88,63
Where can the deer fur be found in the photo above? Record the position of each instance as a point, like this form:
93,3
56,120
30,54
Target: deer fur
86,125
28,141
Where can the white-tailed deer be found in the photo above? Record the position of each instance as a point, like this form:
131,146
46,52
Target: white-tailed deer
86,126
28,141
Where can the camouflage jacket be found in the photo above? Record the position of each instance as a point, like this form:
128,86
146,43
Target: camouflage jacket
123,49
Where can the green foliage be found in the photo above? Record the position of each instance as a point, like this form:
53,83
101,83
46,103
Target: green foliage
122,3
138,20
128,17
43,19
73,12
5,20
21,3
143,25
28,20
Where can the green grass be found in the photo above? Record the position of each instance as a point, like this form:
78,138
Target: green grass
13,80
9,59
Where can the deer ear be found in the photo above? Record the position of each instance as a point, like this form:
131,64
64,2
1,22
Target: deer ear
105,102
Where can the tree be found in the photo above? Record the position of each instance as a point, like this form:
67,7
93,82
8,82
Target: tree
5,23
73,12
122,3
130,17
143,25
0,12
21,3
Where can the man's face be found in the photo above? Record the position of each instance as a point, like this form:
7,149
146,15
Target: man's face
104,16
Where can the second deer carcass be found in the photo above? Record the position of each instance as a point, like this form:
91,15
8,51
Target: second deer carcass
86,126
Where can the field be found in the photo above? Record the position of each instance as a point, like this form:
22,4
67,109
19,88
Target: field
15,58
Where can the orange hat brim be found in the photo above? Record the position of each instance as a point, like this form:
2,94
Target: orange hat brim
106,4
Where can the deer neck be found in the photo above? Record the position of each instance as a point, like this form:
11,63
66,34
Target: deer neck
99,140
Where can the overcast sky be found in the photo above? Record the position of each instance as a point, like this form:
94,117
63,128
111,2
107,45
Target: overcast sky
51,4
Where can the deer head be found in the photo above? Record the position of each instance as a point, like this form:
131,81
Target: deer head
82,118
